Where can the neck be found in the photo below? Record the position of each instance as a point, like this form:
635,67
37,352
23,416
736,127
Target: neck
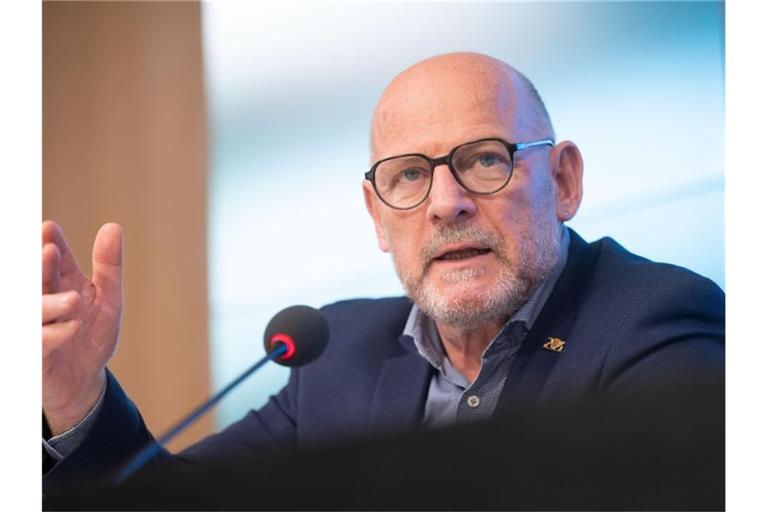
464,347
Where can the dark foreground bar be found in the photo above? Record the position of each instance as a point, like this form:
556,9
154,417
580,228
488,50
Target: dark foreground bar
662,450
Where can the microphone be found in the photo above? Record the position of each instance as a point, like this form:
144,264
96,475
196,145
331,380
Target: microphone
294,337
302,330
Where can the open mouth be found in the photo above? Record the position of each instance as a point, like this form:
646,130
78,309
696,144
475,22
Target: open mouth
462,254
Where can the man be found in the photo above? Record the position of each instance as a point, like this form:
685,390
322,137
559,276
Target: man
506,307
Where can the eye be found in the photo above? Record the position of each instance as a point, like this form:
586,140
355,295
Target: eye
488,159
413,174
482,157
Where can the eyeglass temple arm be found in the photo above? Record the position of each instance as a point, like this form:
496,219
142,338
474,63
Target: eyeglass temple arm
524,145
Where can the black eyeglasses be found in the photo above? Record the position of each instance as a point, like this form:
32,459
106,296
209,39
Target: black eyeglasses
482,167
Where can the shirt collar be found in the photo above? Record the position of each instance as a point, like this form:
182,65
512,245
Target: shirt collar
424,331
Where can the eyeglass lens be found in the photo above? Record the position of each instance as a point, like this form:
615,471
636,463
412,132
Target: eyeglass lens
481,167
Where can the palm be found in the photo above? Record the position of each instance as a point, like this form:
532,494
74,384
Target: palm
71,367
94,343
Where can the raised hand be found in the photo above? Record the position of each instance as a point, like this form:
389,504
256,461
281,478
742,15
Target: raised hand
81,323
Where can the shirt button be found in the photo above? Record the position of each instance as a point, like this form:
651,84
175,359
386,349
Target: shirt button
473,401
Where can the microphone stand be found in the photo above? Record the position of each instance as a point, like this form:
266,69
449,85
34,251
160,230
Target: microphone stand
152,449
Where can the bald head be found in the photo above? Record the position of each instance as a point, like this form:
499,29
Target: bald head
456,94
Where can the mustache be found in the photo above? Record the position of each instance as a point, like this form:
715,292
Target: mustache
459,233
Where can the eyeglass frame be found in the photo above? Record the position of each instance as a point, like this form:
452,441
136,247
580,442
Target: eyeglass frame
512,148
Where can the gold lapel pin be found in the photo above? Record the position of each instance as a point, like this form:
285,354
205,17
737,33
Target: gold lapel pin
554,344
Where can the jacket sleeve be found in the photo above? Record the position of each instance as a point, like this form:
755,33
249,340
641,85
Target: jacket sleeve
119,433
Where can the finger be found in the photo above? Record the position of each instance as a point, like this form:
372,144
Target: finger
51,261
59,306
52,233
58,333
108,259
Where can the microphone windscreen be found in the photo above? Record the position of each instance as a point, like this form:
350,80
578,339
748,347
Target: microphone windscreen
304,331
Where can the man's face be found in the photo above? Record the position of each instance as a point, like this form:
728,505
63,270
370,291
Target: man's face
466,259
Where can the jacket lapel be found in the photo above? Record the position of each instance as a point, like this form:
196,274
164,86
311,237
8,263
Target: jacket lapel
401,390
534,363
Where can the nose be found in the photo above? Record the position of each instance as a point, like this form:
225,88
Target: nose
448,201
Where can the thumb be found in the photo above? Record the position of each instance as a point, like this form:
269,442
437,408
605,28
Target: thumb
108,258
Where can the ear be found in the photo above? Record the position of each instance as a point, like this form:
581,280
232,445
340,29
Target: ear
567,170
372,203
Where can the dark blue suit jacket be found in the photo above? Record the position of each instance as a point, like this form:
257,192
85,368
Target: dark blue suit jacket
627,323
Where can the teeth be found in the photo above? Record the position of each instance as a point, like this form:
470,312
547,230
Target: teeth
460,255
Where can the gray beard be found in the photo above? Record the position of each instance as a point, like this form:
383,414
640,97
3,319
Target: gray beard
496,303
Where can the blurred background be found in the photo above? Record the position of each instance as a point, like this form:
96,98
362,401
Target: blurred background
230,140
